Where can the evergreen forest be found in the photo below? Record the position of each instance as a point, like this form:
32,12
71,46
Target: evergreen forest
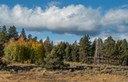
20,48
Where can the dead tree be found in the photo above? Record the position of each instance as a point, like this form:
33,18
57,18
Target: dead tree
97,55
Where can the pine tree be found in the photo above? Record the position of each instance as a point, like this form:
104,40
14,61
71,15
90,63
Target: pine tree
3,35
61,49
23,34
84,49
124,52
109,48
29,36
68,55
118,51
93,47
48,45
54,59
75,52
12,33
3,39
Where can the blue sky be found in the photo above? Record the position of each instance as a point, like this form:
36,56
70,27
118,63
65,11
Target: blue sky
105,4
67,20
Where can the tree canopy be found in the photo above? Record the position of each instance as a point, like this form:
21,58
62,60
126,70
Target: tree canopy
19,48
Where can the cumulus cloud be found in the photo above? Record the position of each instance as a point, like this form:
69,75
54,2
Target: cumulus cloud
116,20
116,17
72,19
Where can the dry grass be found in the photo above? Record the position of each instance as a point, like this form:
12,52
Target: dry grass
42,75
38,74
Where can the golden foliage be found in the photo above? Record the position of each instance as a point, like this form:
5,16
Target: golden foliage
24,50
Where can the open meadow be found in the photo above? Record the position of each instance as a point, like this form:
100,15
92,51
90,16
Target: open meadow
32,73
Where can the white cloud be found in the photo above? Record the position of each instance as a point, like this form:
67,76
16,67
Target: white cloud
116,20
72,19
118,16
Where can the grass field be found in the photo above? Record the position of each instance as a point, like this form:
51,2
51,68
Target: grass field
32,73
42,75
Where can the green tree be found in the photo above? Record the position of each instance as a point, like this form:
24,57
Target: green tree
29,36
37,52
3,35
118,51
61,49
48,45
68,54
84,49
22,50
15,52
75,52
3,39
124,52
54,59
93,47
109,48
12,33
23,34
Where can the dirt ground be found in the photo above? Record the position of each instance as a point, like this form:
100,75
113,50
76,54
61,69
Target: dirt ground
42,75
